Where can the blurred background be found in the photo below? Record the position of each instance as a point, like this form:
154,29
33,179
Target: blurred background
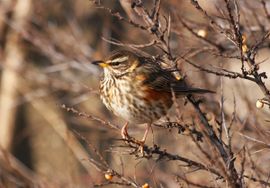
46,49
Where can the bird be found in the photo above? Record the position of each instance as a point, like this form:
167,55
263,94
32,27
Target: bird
138,89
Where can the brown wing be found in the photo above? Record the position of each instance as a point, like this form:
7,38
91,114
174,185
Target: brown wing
162,80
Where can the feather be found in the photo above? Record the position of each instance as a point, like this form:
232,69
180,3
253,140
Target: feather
163,80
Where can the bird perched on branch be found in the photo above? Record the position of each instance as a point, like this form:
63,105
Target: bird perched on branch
138,89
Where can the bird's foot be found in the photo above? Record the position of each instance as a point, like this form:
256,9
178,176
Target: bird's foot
128,139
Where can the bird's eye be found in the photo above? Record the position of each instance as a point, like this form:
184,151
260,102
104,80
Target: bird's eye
115,63
119,61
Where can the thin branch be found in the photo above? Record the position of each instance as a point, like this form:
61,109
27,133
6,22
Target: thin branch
90,117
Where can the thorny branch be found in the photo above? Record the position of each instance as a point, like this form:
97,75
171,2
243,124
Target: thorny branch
246,57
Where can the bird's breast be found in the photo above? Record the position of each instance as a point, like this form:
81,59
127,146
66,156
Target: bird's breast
134,101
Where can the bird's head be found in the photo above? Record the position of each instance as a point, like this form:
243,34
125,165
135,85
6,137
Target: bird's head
119,63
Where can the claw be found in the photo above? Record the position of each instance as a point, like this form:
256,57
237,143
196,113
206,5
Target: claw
141,147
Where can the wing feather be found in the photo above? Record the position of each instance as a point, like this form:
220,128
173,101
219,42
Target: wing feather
163,80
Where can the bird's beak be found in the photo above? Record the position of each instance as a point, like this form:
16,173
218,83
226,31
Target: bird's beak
102,64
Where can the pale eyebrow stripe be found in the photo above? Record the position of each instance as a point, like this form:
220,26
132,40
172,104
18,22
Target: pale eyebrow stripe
120,59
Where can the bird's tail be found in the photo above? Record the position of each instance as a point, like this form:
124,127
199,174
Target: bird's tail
194,91
199,90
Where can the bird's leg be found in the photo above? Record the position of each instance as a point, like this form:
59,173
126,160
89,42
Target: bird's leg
146,133
124,132
142,141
